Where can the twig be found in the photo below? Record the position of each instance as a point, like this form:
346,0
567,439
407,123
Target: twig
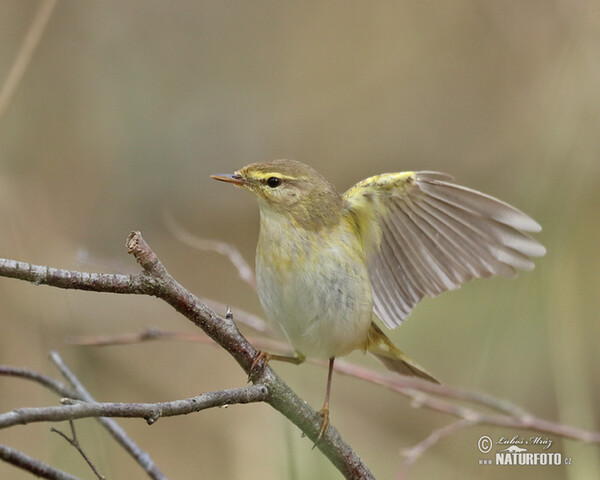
156,334
41,469
151,412
36,29
74,442
81,393
147,335
419,449
50,383
243,317
155,280
415,389
423,394
115,430
235,257
70,279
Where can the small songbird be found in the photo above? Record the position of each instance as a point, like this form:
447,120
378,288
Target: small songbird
329,265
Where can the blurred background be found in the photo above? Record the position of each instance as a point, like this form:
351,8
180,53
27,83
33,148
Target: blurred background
127,107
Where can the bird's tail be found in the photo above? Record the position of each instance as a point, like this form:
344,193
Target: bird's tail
382,348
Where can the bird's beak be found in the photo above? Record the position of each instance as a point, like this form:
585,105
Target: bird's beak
234,178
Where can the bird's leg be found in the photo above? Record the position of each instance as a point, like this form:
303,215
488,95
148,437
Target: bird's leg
266,357
324,412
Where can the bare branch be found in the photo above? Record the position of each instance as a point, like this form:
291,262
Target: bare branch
241,316
115,430
436,397
41,469
74,442
147,335
50,383
156,334
151,412
156,281
36,29
81,393
235,257
419,449
423,394
71,279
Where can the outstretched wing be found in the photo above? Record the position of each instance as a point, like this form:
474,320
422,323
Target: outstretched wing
424,235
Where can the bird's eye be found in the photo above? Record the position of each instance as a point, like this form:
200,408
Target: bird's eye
273,182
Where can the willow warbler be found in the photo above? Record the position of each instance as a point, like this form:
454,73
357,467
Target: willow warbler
329,265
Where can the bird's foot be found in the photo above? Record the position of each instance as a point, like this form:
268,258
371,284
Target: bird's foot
324,414
260,361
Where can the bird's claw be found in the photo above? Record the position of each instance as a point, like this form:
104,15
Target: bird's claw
324,414
256,363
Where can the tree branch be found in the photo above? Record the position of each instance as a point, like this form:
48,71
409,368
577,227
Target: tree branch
71,279
115,430
419,449
156,281
422,394
74,442
36,29
151,412
79,392
437,397
41,469
233,254
50,383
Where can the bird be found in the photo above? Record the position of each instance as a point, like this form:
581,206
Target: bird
330,266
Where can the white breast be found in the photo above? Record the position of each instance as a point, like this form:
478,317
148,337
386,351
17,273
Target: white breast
320,298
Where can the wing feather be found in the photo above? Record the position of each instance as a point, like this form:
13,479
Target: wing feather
484,251
510,246
443,247
425,235
413,267
387,303
421,267
480,203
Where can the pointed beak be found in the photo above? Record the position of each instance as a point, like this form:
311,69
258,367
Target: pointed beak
234,178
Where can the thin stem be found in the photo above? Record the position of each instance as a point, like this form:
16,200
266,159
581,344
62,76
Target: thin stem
151,412
50,383
420,448
74,442
115,430
23,58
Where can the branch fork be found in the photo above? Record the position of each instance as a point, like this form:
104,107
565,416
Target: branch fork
267,387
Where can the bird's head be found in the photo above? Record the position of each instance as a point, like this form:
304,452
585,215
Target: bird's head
291,189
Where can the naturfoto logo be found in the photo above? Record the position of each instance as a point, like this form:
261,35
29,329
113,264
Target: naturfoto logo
516,451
